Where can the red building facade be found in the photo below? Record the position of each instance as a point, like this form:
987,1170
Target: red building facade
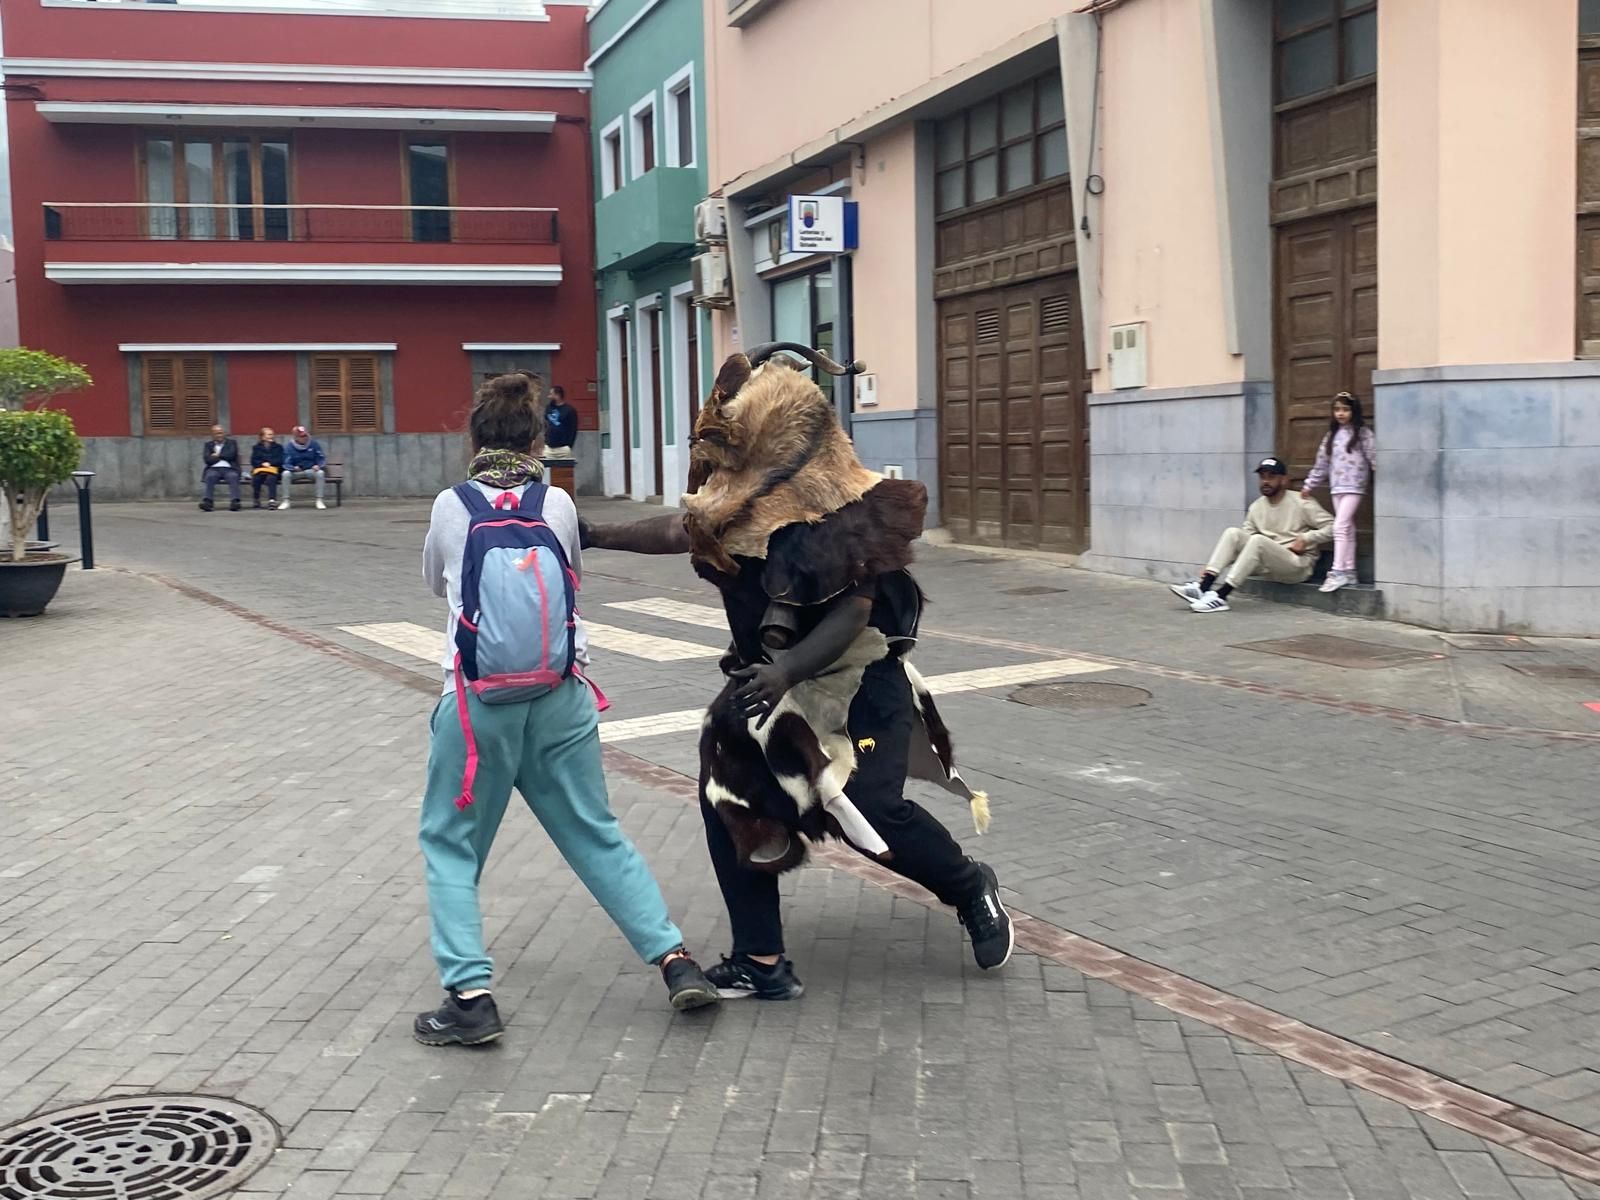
283,216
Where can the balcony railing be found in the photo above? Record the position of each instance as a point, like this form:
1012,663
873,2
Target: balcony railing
147,222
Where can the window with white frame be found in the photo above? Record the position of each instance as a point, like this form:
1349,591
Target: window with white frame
680,129
612,175
642,117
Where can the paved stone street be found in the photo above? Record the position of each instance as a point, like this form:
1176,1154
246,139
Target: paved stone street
210,758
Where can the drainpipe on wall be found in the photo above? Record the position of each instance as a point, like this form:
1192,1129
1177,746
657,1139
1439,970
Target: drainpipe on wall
844,350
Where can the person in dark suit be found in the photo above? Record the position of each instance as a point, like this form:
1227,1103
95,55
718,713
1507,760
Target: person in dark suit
222,463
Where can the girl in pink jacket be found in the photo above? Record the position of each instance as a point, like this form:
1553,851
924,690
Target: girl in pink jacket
1344,463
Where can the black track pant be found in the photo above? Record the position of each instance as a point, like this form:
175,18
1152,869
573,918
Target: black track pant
882,717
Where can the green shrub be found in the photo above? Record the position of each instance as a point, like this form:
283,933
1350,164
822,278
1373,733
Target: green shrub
38,450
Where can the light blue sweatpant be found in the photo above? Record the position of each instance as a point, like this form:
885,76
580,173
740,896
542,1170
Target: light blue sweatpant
549,750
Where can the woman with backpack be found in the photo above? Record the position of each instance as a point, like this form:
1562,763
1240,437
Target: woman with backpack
502,548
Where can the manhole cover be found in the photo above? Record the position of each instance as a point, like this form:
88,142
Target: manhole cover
1486,641
1033,591
1342,652
136,1148
1553,671
1077,697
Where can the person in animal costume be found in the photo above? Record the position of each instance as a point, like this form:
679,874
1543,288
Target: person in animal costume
822,717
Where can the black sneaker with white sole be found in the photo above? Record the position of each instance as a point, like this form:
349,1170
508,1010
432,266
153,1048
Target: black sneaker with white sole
988,923
459,1022
741,977
687,985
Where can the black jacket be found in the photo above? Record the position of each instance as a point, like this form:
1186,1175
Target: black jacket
560,425
230,452
264,455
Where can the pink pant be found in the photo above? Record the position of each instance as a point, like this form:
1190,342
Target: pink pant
1344,531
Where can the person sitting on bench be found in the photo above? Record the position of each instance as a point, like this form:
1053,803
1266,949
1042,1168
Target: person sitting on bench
301,457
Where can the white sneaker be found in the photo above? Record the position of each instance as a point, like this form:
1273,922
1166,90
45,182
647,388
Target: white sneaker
1209,603
1335,581
320,504
1187,591
283,504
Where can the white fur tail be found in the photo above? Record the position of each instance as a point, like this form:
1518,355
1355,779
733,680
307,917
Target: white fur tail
980,811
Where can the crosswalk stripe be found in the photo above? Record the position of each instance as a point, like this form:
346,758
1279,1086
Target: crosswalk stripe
404,636
647,645
422,642
682,721
410,638
988,677
676,610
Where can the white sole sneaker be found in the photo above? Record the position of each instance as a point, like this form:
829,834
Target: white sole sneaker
1187,592
320,504
1333,583
282,505
1209,603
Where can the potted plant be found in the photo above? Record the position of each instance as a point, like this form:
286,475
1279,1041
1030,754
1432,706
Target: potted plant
39,448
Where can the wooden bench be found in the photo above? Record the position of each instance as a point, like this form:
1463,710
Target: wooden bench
333,472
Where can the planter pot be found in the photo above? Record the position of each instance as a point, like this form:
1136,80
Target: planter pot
26,587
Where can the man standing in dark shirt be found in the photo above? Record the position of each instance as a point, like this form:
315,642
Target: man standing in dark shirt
560,425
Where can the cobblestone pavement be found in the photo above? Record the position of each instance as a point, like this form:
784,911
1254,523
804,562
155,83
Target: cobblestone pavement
210,883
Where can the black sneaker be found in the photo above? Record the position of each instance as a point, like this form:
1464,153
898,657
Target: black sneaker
233,506
988,923
741,976
687,985
206,506
459,1022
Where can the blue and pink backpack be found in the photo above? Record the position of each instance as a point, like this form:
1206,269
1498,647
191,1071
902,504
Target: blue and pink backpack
516,639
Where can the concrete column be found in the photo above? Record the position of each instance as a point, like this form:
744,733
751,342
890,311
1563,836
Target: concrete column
1181,137
1477,178
1486,426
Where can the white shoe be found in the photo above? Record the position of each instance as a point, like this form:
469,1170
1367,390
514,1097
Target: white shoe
320,504
1335,581
1189,592
1209,603
283,504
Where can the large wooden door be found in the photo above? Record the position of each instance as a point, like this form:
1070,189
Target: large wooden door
653,365
1327,325
1013,416
1325,217
1589,184
1013,387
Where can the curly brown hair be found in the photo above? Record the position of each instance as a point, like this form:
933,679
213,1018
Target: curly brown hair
505,415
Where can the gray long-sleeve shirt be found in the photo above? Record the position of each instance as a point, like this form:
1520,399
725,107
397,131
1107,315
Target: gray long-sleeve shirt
447,542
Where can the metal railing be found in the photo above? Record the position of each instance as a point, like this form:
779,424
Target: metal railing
156,222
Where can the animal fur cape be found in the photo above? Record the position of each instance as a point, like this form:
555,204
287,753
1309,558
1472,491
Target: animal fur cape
777,489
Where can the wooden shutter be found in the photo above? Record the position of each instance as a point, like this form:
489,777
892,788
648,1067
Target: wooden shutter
179,393
346,396
363,405
327,393
199,397
160,394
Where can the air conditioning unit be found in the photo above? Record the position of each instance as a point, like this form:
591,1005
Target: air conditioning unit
712,286
711,220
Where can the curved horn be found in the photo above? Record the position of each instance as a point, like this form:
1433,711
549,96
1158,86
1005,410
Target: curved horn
760,354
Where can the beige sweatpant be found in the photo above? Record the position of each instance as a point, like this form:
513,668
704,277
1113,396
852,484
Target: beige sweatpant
1254,555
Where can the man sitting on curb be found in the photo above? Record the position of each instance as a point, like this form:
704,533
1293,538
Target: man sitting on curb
1279,540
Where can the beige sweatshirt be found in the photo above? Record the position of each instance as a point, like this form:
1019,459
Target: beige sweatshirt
1290,518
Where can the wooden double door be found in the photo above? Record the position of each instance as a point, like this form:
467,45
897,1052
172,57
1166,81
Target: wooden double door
1014,427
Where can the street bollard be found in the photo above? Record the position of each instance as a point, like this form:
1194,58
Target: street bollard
44,522
82,480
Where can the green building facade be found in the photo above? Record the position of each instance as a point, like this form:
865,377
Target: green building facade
648,118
